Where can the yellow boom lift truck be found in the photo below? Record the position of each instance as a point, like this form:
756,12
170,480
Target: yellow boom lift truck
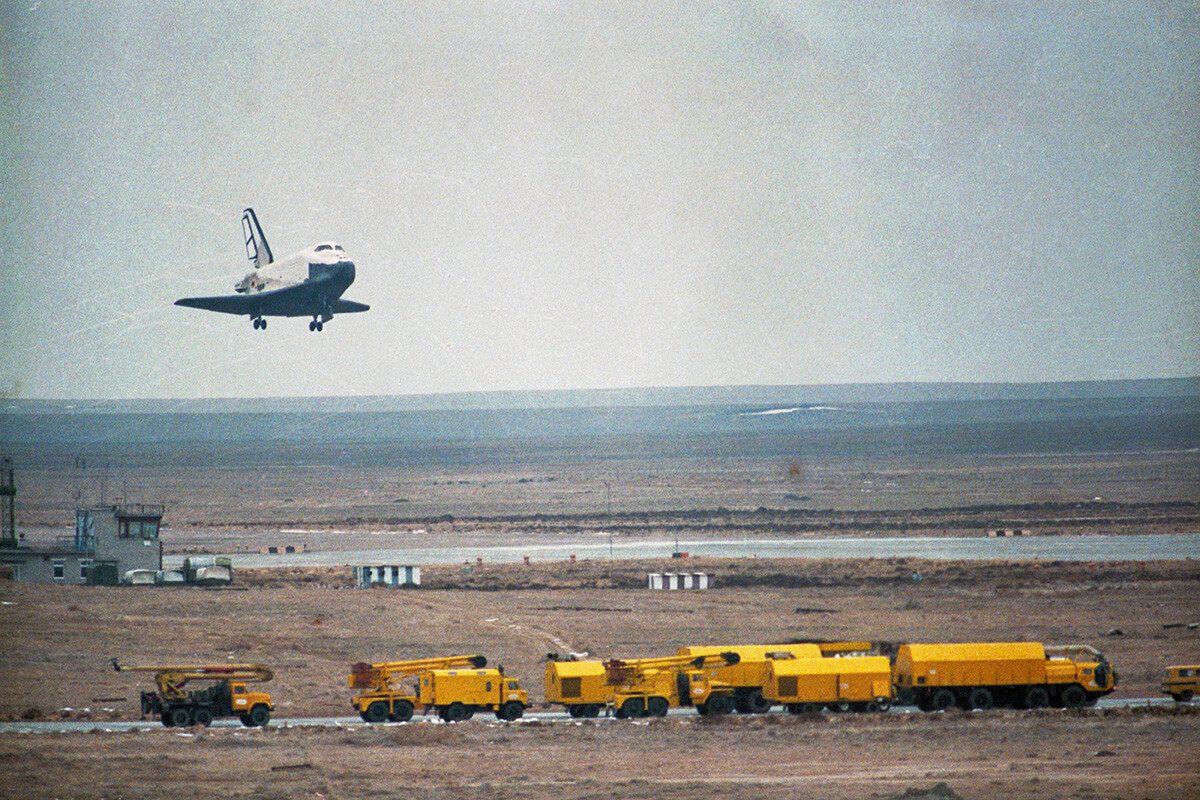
579,685
651,686
982,675
226,695
746,675
387,695
456,694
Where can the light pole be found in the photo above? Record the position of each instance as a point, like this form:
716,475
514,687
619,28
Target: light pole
608,514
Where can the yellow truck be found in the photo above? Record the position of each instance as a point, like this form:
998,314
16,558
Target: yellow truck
981,675
651,686
855,683
390,688
456,694
579,685
746,674
227,693
1181,682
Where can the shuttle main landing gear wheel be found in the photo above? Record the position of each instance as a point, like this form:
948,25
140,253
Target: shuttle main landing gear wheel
316,325
258,323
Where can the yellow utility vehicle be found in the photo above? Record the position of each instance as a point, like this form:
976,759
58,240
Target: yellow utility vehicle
579,685
746,674
651,686
982,675
1182,682
855,683
456,694
388,696
226,695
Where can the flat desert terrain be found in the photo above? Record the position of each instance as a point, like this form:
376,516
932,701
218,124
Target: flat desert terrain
310,625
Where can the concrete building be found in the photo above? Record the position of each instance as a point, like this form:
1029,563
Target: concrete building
109,542
387,575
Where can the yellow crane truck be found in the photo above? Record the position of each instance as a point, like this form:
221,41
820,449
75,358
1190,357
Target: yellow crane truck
579,685
981,675
387,696
226,695
651,686
855,683
746,675
456,694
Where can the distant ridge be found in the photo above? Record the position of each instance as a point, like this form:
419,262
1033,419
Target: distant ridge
751,396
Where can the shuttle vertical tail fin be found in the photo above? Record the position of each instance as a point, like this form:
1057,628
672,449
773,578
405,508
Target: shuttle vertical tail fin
257,249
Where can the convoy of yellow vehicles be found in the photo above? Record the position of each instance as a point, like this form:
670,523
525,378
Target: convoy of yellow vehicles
714,680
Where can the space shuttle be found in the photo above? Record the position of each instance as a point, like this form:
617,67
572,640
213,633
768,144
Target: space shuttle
306,284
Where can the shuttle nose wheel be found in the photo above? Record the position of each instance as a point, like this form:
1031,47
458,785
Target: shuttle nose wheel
316,325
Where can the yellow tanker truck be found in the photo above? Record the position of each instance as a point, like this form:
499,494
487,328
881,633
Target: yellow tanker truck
981,675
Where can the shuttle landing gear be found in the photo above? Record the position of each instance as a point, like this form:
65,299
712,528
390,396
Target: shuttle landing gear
316,325
259,323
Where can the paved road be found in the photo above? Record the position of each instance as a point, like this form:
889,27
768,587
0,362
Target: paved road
1172,547
111,726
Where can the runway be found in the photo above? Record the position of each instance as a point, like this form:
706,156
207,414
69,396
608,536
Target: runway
125,726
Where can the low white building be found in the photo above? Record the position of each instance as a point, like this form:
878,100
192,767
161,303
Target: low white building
670,581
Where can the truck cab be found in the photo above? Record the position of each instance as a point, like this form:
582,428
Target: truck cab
251,706
1182,682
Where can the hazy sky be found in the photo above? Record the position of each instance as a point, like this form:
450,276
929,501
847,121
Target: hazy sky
561,195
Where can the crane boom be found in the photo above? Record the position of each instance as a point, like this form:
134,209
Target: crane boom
626,671
369,676
171,678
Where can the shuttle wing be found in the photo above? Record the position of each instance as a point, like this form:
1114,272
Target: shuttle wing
300,300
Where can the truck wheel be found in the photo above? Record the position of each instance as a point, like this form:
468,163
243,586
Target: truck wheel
941,700
260,715
1074,696
980,698
631,708
1036,697
455,712
203,717
590,710
402,711
718,704
575,711
757,703
245,718
377,711
657,706
511,710
181,716
1185,696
